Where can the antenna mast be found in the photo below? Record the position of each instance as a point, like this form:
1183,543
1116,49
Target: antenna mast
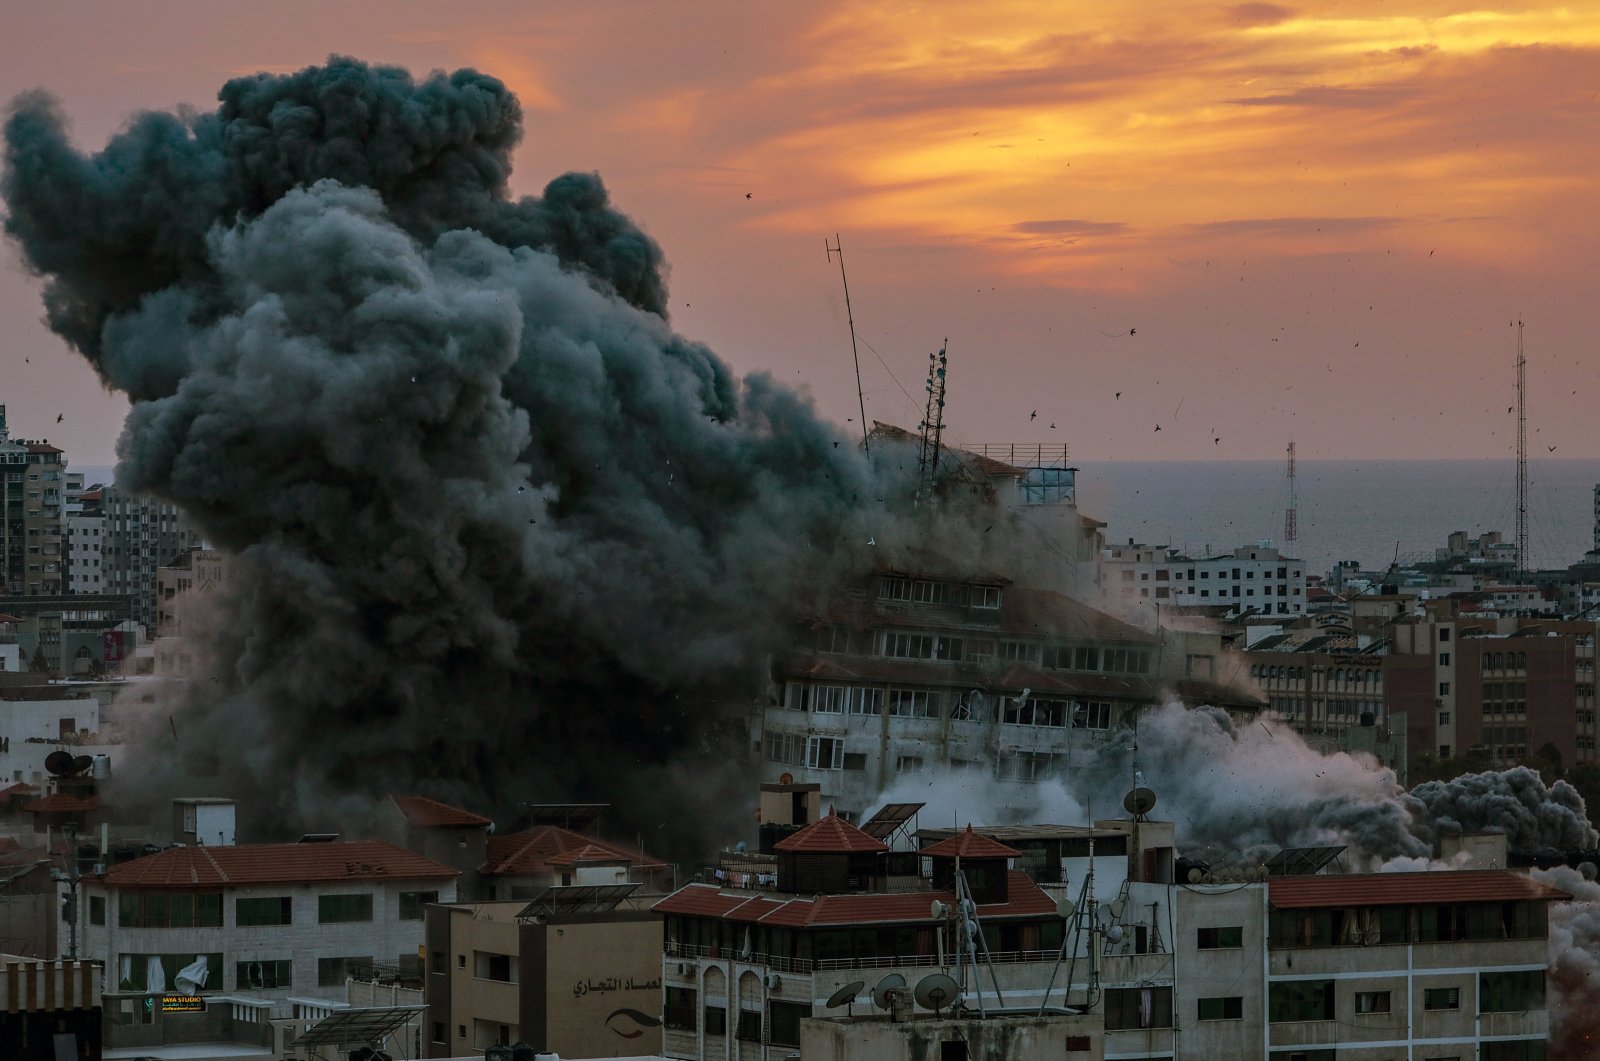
861,401
932,425
1291,525
1522,459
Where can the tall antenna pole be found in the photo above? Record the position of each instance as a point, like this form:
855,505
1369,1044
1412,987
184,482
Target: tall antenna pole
932,426
861,401
1522,458
1291,525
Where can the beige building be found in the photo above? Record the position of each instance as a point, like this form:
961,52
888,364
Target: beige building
32,496
576,971
1012,1036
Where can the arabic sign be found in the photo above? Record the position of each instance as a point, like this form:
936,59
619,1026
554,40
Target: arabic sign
182,1004
606,985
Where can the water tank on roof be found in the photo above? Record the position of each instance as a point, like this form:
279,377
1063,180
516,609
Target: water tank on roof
100,769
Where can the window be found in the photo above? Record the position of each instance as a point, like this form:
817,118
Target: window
487,965
908,764
1220,938
679,1011
169,909
716,1020
833,638
1300,1000
979,597
273,910
1138,1007
331,972
1444,634
825,753
1444,718
1372,1002
1441,998
749,1028
411,904
1513,1050
855,760
1229,1008
827,699
1092,715
438,1031
914,703
789,748
1444,659
783,1022
138,973
439,963
1444,688
344,909
1510,992
97,909
865,701
265,976
953,1050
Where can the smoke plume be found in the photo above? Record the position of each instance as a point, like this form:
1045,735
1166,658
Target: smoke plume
498,532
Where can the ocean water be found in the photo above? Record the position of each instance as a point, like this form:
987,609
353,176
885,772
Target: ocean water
1348,510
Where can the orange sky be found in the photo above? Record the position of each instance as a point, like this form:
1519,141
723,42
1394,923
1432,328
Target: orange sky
1318,219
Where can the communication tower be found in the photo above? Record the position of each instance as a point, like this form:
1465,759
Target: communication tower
1291,524
1522,458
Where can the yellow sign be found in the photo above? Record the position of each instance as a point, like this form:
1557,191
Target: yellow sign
182,1004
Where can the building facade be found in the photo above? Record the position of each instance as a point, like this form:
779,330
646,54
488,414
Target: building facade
1140,580
138,535
267,920
32,497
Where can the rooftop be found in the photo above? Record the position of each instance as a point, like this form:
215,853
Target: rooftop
1027,899
969,844
533,850
245,864
429,813
1397,889
830,834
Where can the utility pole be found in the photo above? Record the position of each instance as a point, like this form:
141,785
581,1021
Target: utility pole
1522,459
861,401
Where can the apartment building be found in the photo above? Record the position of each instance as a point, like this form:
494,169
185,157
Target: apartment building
574,971
32,495
1265,962
268,920
138,535
912,671
1139,580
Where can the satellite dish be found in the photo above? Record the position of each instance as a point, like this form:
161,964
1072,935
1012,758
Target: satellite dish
1105,914
83,764
846,994
1113,933
1117,906
1065,907
936,992
1196,874
741,848
58,763
883,995
1139,802
937,910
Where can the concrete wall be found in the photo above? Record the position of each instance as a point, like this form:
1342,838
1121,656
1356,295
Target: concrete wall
1010,1038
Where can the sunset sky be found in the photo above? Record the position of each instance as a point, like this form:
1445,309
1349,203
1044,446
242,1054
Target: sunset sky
1255,221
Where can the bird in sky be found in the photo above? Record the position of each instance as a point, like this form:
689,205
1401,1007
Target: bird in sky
1216,442
1552,449
1052,425
1158,427
1118,394
1034,415
749,195
58,417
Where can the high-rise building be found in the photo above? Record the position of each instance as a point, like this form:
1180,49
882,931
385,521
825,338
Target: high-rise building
138,535
85,541
31,498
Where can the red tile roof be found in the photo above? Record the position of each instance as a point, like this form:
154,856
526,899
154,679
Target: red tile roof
245,864
1027,900
17,789
57,803
587,853
1393,889
970,845
420,810
830,834
530,851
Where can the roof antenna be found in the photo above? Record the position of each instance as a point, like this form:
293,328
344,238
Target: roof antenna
861,401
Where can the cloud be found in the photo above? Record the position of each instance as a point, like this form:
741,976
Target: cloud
1070,227
1330,96
1259,14
1292,226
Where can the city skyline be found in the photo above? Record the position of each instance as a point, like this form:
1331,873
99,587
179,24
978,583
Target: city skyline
1252,222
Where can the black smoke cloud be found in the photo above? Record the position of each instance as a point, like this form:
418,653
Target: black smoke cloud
497,532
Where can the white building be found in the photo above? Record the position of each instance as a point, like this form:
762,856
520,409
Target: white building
31,729
1141,579
270,920
85,540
